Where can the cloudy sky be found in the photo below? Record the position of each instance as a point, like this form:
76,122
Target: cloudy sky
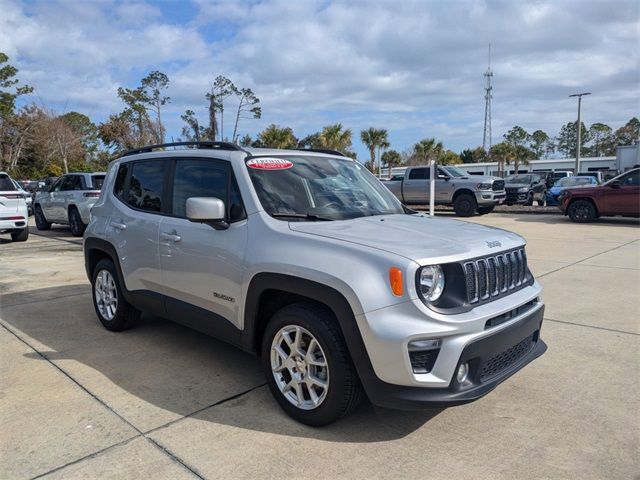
412,67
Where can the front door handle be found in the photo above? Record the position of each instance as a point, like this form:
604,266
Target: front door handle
118,225
171,237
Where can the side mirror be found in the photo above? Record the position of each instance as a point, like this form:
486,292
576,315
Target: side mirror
443,177
615,184
209,210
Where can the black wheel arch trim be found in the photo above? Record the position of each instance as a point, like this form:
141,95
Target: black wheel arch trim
330,297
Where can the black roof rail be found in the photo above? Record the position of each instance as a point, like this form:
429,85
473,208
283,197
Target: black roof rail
212,145
322,150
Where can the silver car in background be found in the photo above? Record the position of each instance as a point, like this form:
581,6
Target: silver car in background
68,201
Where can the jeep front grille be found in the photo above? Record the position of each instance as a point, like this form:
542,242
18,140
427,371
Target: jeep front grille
496,275
498,185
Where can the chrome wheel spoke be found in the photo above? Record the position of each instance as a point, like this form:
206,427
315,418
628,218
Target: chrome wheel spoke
302,374
106,295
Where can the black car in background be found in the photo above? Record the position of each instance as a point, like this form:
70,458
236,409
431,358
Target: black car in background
524,189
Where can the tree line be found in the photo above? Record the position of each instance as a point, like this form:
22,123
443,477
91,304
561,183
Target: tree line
36,141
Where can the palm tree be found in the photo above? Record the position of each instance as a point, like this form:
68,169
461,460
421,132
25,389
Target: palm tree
277,137
503,153
333,137
368,137
375,139
428,149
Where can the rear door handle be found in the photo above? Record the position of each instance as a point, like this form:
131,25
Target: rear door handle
172,237
118,226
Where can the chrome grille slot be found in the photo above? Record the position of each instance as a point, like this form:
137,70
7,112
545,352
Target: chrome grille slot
482,279
472,282
491,274
495,275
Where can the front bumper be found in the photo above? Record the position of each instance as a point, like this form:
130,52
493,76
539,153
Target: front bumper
489,365
490,197
464,337
516,198
552,200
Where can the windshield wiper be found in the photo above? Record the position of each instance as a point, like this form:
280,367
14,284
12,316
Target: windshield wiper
305,216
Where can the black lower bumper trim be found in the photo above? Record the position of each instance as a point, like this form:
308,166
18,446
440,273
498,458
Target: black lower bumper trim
478,355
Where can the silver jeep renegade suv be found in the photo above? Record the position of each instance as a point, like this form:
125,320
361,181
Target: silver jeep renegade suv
306,259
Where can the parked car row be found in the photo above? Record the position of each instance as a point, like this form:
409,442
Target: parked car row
68,201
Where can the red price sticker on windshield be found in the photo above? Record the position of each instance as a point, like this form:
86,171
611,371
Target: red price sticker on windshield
269,163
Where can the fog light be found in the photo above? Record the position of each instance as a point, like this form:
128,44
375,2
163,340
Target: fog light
463,371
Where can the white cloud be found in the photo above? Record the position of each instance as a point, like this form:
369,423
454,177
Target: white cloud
412,67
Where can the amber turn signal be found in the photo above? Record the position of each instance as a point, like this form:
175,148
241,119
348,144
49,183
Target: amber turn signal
395,280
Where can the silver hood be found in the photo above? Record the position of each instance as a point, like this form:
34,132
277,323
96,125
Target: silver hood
417,237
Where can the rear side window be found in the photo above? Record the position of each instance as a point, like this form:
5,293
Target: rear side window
419,174
6,185
121,178
97,181
146,185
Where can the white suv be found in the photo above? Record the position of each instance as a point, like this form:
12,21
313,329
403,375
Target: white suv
14,214
68,201
306,259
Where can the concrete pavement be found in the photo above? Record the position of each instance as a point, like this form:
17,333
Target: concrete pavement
161,401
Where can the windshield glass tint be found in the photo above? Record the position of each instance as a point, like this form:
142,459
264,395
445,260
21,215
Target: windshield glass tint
455,171
330,188
518,179
574,181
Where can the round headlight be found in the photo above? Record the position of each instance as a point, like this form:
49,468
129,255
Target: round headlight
431,282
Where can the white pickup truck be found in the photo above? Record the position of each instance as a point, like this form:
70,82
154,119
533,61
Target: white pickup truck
469,194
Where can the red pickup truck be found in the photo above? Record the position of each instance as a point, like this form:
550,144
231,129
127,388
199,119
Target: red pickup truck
618,196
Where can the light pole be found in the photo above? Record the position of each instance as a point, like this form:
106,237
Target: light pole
579,128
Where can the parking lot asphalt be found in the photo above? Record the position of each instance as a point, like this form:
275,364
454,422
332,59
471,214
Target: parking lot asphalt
161,401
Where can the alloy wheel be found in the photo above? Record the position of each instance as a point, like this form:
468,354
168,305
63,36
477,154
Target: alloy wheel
299,367
106,295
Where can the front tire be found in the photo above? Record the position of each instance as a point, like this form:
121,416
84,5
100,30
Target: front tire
485,210
41,220
76,224
20,235
582,211
113,311
529,202
308,367
465,205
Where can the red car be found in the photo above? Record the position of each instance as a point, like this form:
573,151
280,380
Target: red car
618,196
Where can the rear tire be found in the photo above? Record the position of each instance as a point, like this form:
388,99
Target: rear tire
76,224
485,210
582,211
41,220
465,205
303,348
20,235
113,311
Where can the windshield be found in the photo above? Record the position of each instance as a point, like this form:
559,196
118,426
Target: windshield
518,179
319,188
455,171
96,181
574,181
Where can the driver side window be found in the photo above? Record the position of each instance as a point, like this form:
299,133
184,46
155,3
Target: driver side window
631,180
